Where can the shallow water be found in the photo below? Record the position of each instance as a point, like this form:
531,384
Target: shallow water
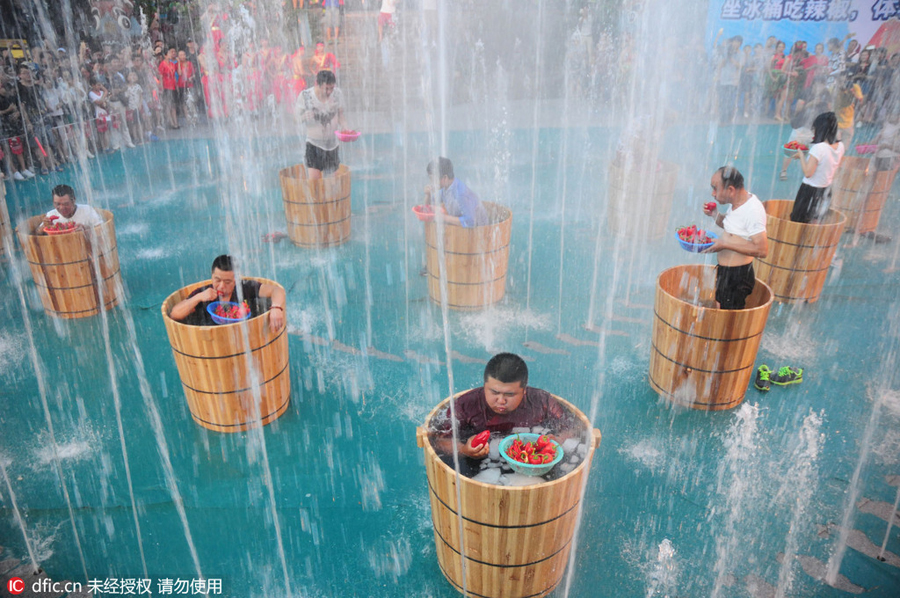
368,364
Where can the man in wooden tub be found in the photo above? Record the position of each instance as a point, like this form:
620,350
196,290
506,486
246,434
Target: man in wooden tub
504,405
461,204
224,288
744,237
65,210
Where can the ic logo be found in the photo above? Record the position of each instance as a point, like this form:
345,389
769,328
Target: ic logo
15,586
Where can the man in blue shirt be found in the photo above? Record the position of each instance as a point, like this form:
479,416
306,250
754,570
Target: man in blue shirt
462,205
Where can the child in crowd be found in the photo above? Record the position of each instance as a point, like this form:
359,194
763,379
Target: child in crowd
134,102
99,98
845,106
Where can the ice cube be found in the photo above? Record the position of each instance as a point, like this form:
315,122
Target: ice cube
488,476
539,430
582,450
566,467
569,445
521,430
494,452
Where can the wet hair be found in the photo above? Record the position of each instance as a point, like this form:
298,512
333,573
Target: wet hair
731,177
825,128
223,263
325,78
61,190
445,168
507,368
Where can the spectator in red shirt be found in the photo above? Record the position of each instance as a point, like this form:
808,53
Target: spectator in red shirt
184,86
168,70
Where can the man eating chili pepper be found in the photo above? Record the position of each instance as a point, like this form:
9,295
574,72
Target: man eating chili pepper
224,288
503,403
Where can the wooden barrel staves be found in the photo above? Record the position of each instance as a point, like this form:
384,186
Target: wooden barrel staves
474,260
859,192
799,254
235,376
702,357
6,242
75,273
515,541
651,191
318,210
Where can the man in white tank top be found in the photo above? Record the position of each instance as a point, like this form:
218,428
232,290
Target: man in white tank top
744,238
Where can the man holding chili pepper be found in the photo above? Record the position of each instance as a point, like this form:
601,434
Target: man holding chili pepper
224,288
65,210
503,403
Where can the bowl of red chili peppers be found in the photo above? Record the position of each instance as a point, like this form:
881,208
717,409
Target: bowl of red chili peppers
695,239
226,312
531,454
59,228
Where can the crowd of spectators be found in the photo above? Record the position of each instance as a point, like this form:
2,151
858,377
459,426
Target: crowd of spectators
858,84
55,107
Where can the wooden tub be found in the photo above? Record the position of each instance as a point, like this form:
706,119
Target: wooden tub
474,261
859,192
219,366
75,273
6,242
702,357
639,203
515,540
799,254
317,211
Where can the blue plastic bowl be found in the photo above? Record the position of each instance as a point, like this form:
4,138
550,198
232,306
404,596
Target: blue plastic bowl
527,468
211,309
696,247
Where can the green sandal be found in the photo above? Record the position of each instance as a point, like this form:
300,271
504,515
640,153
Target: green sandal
787,375
762,378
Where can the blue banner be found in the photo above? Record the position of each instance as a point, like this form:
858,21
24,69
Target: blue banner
813,21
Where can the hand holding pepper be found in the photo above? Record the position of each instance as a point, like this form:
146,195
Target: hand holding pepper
469,450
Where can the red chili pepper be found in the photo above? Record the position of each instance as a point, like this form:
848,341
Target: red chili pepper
481,439
711,205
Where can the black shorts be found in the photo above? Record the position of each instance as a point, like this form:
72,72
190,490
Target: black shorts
170,97
325,160
811,203
733,285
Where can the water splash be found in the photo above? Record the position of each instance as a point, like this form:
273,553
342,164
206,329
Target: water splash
738,482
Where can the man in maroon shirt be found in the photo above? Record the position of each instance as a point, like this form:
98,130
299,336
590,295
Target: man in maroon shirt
503,403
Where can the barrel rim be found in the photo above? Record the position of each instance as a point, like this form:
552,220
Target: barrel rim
761,307
565,478
838,223
188,288
108,218
495,206
285,173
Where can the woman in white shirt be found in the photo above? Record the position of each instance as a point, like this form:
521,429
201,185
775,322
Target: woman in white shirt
824,158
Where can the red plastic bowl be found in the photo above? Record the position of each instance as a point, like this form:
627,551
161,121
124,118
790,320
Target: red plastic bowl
52,232
424,213
347,135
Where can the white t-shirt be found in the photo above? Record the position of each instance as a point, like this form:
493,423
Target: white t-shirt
747,220
388,6
320,130
84,215
828,158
